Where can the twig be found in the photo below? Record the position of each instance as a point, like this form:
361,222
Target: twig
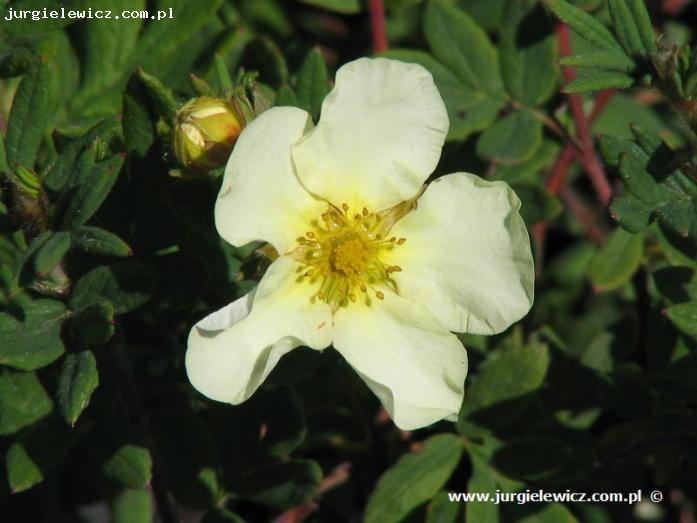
584,214
589,158
377,25
557,177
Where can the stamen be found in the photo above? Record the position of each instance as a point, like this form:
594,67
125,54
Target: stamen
341,254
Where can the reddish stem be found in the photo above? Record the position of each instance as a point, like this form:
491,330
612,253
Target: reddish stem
589,158
584,213
377,25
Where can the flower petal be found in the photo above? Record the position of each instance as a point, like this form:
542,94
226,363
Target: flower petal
261,198
233,350
415,367
379,137
467,255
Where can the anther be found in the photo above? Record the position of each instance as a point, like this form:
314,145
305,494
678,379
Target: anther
310,234
365,212
379,295
345,206
352,297
401,241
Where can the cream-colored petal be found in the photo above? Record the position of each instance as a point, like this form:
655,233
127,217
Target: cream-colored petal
233,350
415,367
467,255
261,197
379,136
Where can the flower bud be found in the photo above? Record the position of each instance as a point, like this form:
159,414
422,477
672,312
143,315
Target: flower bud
205,133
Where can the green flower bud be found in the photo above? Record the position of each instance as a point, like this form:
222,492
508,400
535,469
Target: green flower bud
205,132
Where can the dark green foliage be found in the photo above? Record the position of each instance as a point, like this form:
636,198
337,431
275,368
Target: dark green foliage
414,479
78,379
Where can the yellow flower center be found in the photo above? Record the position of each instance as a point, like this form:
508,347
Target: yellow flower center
341,254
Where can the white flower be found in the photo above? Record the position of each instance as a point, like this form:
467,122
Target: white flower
361,265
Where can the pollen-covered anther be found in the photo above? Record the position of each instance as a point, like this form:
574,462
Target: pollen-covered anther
342,255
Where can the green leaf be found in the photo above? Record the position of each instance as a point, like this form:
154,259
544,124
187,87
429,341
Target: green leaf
130,466
139,131
15,60
617,261
504,383
35,452
587,26
684,317
62,171
22,472
538,203
469,111
442,510
126,285
30,115
285,96
528,172
601,60
34,341
313,83
160,96
599,80
132,506
527,53
283,485
643,23
414,479
78,380
98,241
106,49
487,13
88,196
347,7
654,189
459,43
92,326
512,139
482,480
625,27
51,252
162,47
23,401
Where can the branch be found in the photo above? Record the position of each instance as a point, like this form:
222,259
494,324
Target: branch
377,26
557,178
588,158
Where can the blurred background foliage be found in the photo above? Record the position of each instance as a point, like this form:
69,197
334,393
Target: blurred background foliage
108,255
